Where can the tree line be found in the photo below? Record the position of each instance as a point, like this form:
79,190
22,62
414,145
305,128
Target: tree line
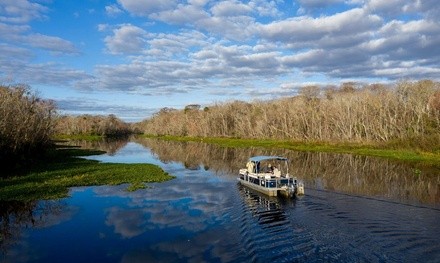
29,123
107,126
403,113
26,124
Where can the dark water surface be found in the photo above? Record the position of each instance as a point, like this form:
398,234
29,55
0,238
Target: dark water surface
356,209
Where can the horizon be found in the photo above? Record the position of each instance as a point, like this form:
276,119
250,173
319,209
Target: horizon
131,58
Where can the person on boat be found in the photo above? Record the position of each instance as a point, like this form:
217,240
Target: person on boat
276,172
250,166
269,168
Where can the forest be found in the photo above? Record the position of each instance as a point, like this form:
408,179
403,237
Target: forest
401,115
107,126
28,125
404,114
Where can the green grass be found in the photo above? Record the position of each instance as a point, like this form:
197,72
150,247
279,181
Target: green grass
51,179
351,148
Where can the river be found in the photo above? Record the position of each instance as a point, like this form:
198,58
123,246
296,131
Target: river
355,209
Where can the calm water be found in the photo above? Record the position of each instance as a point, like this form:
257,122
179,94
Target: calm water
356,209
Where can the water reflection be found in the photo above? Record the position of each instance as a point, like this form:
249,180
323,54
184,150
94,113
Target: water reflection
356,209
109,145
267,210
175,220
358,175
15,216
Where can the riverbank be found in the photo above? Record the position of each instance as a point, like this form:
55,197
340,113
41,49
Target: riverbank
409,155
63,168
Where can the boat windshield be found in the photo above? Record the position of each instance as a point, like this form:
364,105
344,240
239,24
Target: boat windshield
267,158
267,164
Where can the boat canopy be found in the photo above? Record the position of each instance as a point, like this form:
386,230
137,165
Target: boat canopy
264,158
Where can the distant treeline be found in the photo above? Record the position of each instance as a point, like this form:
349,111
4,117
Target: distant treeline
403,113
108,126
26,125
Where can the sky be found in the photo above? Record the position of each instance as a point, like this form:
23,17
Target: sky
133,57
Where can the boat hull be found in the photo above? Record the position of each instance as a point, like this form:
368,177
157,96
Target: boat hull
261,189
270,191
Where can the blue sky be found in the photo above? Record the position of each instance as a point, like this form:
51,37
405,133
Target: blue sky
133,57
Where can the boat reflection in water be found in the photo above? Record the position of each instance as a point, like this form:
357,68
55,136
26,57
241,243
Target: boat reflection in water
381,178
267,229
357,209
267,210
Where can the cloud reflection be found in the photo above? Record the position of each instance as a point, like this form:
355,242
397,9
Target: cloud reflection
193,209
127,223
182,204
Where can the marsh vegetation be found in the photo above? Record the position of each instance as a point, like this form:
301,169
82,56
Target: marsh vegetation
63,168
399,122
403,115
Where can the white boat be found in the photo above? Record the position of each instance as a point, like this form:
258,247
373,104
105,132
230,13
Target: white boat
270,175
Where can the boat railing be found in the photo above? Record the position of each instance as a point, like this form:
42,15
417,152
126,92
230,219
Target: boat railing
275,182
267,180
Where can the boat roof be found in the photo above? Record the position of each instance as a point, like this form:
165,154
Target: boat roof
267,157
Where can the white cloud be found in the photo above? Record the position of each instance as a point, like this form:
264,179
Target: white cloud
113,10
102,27
350,44
318,3
44,73
21,11
177,46
147,7
225,47
230,8
6,51
51,43
384,6
226,23
266,8
84,104
305,29
410,40
183,14
402,72
392,9
239,28
12,33
126,39
198,2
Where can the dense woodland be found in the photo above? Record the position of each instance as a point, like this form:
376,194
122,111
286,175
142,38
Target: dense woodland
108,126
26,124
403,113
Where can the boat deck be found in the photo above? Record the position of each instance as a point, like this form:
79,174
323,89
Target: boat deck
267,183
